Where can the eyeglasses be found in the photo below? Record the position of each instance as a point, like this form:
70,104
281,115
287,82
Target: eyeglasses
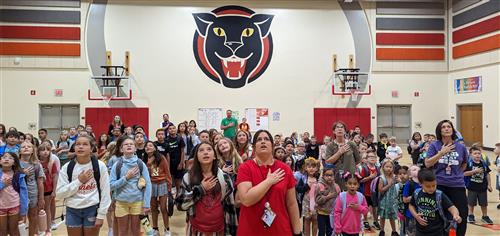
329,175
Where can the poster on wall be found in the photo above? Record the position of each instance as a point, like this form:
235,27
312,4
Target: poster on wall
468,85
209,118
257,118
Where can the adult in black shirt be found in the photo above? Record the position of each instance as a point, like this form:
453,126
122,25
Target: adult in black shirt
176,151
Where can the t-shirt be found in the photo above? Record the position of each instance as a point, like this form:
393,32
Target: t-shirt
209,213
408,191
49,181
478,181
276,196
455,159
63,145
229,132
312,150
348,160
426,205
14,149
162,148
366,185
9,196
31,181
175,146
393,152
140,154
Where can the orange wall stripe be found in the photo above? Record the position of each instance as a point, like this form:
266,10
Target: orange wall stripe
40,49
478,46
410,54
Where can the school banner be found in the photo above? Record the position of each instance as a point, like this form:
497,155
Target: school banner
468,85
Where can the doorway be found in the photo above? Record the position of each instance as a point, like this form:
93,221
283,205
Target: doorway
57,117
470,123
394,120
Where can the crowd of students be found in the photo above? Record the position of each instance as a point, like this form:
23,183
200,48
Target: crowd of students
271,185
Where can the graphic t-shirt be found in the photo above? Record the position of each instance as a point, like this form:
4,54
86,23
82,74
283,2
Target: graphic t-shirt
426,205
454,159
230,132
393,152
175,146
478,181
162,148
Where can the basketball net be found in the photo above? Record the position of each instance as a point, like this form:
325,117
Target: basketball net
354,95
107,98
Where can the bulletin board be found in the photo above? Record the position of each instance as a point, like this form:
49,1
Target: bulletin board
257,118
209,118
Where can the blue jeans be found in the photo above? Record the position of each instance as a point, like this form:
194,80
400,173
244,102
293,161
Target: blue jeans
324,227
85,217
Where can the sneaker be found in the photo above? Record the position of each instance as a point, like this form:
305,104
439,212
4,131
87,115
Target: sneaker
110,232
376,225
471,219
53,226
394,233
487,220
382,233
167,233
366,225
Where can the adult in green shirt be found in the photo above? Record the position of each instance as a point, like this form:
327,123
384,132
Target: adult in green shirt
229,125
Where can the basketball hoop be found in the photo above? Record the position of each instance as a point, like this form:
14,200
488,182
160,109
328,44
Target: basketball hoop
107,98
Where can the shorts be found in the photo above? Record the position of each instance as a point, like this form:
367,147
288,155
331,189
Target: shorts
46,194
9,211
32,200
474,197
159,190
128,208
374,200
85,217
176,174
369,201
410,226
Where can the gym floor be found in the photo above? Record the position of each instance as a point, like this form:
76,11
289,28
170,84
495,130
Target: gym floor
178,220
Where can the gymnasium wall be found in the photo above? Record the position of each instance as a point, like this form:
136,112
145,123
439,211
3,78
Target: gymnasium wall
167,78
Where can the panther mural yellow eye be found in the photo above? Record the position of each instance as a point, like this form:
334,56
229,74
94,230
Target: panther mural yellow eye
247,32
219,31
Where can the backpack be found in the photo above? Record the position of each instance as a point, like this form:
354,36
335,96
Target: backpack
376,196
470,163
119,165
439,198
95,168
367,172
409,149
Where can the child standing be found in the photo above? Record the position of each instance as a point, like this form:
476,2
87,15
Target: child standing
409,188
34,181
311,166
84,185
51,174
478,182
497,164
428,205
130,180
349,208
382,146
14,194
12,142
63,146
394,152
326,193
423,155
388,197
369,171
402,178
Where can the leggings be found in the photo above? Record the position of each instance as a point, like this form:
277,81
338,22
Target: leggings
324,227
459,199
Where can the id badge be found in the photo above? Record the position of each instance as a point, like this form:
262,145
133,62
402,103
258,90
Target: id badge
268,217
448,170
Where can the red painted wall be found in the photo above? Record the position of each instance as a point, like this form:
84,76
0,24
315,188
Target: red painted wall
325,117
100,118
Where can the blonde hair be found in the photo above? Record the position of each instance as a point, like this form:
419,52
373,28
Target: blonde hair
33,157
110,149
384,162
393,138
311,161
233,155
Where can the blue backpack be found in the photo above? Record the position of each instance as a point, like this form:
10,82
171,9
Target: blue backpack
439,199
470,163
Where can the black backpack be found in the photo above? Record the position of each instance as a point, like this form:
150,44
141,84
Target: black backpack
95,168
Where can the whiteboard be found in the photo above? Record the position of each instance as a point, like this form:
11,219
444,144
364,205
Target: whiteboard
257,118
209,118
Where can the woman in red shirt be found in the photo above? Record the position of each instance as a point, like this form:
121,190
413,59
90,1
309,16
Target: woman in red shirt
267,193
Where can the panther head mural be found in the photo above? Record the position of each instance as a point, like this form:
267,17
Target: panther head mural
233,45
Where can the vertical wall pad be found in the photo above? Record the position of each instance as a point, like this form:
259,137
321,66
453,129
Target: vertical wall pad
476,13
410,24
40,16
410,8
100,118
325,117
